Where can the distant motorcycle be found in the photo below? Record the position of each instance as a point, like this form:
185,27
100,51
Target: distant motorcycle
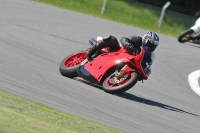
191,34
115,72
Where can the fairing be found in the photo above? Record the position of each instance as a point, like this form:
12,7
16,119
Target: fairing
95,70
82,72
104,62
196,27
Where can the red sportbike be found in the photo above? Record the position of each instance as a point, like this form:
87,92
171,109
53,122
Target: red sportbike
115,72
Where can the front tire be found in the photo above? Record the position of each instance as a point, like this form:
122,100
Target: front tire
71,63
186,36
114,86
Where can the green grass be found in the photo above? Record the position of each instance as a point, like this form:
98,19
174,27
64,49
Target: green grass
20,116
135,14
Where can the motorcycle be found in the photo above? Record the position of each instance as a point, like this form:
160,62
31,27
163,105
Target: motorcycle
192,34
115,72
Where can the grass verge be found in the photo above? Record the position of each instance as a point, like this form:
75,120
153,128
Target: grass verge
129,12
20,116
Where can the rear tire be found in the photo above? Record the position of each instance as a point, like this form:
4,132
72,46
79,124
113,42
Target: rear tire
71,63
186,36
120,87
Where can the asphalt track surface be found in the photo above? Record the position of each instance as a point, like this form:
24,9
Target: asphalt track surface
34,38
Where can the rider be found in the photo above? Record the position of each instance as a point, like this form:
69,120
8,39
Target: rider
131,44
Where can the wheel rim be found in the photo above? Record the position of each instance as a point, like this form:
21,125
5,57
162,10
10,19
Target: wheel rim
187,37
74,60
113,81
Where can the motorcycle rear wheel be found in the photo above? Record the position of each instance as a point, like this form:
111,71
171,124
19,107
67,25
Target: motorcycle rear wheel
71,63
186,36
113,85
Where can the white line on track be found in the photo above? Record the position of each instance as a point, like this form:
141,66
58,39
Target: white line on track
193,81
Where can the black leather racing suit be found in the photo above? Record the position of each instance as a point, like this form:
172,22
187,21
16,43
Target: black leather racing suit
112,44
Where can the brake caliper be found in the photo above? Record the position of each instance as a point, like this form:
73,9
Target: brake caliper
125,70
119,77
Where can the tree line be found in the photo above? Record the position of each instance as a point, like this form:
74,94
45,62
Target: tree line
188,7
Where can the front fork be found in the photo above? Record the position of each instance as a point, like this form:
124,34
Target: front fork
120,75
123,71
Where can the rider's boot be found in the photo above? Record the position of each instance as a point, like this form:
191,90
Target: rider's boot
91,51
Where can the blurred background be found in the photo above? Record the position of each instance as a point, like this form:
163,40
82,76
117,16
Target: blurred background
179,16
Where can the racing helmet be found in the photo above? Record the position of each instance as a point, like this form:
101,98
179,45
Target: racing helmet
151,40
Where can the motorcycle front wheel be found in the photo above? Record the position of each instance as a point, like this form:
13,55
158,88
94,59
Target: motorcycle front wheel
71,63
186,36
115,85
